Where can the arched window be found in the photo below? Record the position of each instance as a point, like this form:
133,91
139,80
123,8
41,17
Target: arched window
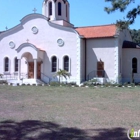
16,64
59,8
50,8
134,65
6,64
54,64
66,63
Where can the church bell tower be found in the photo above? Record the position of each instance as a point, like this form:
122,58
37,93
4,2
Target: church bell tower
56,10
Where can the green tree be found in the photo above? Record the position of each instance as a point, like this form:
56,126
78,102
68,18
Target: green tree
62,73
121,5
135,34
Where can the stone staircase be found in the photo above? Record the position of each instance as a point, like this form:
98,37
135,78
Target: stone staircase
26,82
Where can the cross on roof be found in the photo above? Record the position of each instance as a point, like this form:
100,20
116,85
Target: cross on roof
34,10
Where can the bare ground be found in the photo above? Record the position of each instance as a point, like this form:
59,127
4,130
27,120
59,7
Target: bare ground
63,113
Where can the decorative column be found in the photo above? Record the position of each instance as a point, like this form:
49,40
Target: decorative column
116,65
19,68
53,11
79,63
35,69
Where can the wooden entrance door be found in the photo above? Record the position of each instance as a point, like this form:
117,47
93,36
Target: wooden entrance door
100,69
31,70
39,70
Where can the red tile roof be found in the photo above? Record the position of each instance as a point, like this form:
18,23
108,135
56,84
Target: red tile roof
97,31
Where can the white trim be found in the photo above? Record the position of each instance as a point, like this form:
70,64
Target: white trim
62,44
78,61
116,64
13,43
33,31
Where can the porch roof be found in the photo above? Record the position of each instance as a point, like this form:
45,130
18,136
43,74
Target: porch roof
129,44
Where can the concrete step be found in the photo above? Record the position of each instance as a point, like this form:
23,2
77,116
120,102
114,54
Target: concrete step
26,81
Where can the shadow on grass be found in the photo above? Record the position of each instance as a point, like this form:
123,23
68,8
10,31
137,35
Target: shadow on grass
39,130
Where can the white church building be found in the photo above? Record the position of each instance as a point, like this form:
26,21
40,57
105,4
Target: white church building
33,51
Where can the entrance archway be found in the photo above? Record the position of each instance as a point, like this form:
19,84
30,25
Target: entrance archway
30,62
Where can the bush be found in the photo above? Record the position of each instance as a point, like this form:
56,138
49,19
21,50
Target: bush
108,84
72,83
3,82
54,84
132,84
125,84
69,84
119,85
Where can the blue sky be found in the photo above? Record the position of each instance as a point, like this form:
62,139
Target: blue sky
82,12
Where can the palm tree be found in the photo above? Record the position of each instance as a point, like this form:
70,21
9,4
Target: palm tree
62,73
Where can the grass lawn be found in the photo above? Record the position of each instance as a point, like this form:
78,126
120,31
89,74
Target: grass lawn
64,113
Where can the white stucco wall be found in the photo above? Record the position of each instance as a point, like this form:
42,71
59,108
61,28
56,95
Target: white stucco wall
101,49
123,35
128,55
46,39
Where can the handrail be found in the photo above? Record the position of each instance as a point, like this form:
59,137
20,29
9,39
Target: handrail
12,76
96,73
45,76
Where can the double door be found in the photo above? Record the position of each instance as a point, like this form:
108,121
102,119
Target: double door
31,70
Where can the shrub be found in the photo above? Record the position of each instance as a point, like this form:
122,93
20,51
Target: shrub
54,84
108,84
33,84
94,80
72,83
119,85
125,84
132,84
3,82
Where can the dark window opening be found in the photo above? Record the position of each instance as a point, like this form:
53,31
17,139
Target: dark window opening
54,64
66,63
134,65
6,64
59,8
16,64
50,8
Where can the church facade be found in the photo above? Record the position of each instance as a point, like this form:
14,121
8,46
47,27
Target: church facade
33,51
